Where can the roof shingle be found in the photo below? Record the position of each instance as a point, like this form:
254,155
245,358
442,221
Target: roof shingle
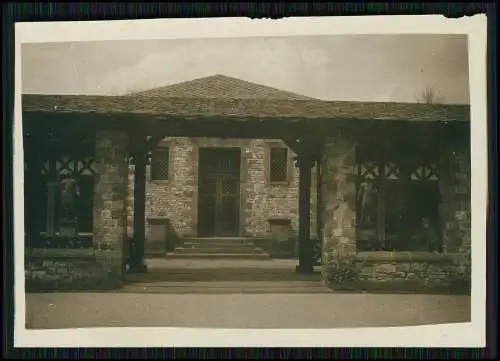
256,108
219,87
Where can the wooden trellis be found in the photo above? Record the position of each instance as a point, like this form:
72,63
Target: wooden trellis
48,157
382,173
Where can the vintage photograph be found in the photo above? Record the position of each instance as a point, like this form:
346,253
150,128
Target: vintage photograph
316,181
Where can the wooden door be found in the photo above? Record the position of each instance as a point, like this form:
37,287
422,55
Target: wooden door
226,205
219,192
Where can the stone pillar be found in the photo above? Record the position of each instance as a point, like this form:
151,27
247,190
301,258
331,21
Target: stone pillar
338,199
109,202
455,187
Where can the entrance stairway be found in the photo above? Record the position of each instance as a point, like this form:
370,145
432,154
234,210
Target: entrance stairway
223,276
221,248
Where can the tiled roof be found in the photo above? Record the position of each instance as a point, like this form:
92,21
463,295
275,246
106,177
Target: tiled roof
219,87
256,108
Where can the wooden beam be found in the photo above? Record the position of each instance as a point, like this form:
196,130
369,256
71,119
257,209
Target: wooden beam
137,249
291,142
153,141
305,244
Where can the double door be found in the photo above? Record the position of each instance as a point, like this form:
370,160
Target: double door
219,193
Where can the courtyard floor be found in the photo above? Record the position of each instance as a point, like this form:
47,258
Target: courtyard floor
237,294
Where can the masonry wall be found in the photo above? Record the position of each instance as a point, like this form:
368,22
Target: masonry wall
344,268
263,200
176,199
102,266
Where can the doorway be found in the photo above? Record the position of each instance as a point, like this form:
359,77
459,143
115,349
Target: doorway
219,192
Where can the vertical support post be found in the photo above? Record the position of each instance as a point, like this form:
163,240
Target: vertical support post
305,163
110,189
318,197
137,252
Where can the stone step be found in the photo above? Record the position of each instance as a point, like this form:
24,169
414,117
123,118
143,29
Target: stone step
218,250
220,240
155,253
217,244
240,274
217,291
227,287
283,255
218,255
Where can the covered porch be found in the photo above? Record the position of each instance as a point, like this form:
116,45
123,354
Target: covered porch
100,135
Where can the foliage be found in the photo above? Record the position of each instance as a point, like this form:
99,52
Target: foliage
343,270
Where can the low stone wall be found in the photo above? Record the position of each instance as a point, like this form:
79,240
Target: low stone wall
67,270
400,272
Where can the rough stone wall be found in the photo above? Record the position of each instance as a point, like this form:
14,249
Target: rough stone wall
381,271
176,199
56,273
338,187
264,200
173,198
422,275
338,233
110,200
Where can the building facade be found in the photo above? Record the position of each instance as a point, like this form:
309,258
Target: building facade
392,195
207,187
214,187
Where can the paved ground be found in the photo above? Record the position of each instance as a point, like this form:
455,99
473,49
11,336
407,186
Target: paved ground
70,310
236,294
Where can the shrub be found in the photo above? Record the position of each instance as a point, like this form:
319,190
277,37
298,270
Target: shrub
343,270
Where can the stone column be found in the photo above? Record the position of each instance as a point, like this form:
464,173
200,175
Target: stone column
109,202
338,199
455,187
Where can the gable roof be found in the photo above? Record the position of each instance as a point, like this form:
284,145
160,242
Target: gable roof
219,87
244,108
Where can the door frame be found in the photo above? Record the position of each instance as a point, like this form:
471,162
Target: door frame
240,193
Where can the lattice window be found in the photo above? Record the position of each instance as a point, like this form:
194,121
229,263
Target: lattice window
392,171
160,160
74,167
396,200
278,168
368,170
229,187
425,172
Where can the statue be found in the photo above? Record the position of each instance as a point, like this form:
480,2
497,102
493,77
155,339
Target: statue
367,201
426,237
69,194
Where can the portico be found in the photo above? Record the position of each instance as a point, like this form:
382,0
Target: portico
322,133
